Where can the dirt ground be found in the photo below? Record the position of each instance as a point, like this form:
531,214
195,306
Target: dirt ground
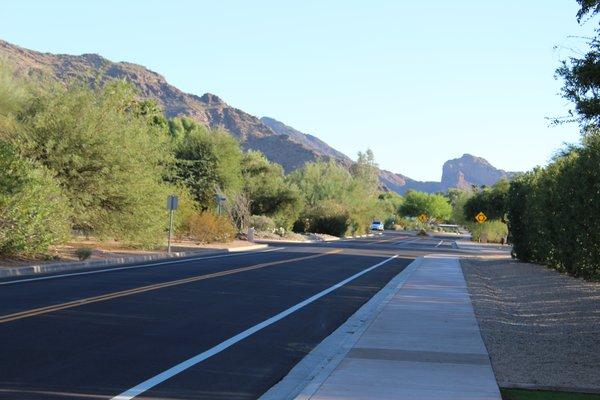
541,328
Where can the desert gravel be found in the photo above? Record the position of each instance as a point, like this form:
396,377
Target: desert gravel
541,328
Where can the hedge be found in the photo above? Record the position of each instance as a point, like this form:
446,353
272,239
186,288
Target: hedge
554,212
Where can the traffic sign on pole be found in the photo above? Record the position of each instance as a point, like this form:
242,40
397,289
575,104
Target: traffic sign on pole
481,217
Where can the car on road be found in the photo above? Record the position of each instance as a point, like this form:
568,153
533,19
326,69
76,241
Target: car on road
376,225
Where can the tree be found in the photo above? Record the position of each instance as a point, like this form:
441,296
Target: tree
458,199
435,206
269,192
581,76
206,160
366,171
490,200
587,7
108,160
33,211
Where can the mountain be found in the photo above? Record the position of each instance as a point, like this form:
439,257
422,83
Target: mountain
306,139
280,143
459,173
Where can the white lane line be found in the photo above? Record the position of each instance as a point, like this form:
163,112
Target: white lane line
438,245
43,278
169,373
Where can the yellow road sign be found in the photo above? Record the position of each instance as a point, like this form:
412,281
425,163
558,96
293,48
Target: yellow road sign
423,218
480,217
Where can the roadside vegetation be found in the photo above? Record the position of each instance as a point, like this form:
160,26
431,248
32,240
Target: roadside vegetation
98,162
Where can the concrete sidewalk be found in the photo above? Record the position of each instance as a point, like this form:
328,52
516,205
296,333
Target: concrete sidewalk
423,344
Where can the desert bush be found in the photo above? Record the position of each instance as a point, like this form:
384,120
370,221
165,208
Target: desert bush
327,218
493,231
410,224
33,211
83,253
207,227
389,223
262,223
108,159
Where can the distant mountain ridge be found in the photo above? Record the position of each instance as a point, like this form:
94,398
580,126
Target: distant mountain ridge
290,151
279,142
462,173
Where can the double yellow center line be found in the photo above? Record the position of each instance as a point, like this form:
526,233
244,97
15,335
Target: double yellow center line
115,295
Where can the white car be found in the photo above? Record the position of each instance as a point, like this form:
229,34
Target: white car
376,225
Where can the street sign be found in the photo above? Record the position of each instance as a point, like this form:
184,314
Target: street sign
172,202
481,218
423,218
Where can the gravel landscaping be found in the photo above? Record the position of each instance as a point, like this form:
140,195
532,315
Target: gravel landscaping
541,328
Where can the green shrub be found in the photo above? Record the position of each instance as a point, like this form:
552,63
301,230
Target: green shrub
493,231
327,218
83,253
108,159
554,212
33,211
262,223
410,224
389,223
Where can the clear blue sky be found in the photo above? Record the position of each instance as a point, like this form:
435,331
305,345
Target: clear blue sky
417,82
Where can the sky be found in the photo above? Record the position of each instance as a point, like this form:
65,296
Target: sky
417,82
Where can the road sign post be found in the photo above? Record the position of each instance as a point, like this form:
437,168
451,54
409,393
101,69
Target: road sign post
423,218
172,203
220,202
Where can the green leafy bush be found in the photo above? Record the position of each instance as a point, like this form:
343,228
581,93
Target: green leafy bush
389,223
33,212
83,253
493,231
554,212
435,206
108,158
262,223
328,218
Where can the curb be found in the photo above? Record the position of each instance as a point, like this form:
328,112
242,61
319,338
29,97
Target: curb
305,378
69,266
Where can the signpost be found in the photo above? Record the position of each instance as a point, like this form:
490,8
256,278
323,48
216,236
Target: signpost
220,201
172,203
481,217
423,218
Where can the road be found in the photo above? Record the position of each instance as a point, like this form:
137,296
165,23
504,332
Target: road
220,327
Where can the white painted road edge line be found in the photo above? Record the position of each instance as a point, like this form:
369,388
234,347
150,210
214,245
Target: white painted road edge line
169,373
43,278
307,376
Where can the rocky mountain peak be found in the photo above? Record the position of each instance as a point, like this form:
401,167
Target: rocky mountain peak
211,99
464,171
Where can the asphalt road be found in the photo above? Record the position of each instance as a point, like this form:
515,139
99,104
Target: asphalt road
226,327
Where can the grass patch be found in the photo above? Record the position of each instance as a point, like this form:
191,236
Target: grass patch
521,394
